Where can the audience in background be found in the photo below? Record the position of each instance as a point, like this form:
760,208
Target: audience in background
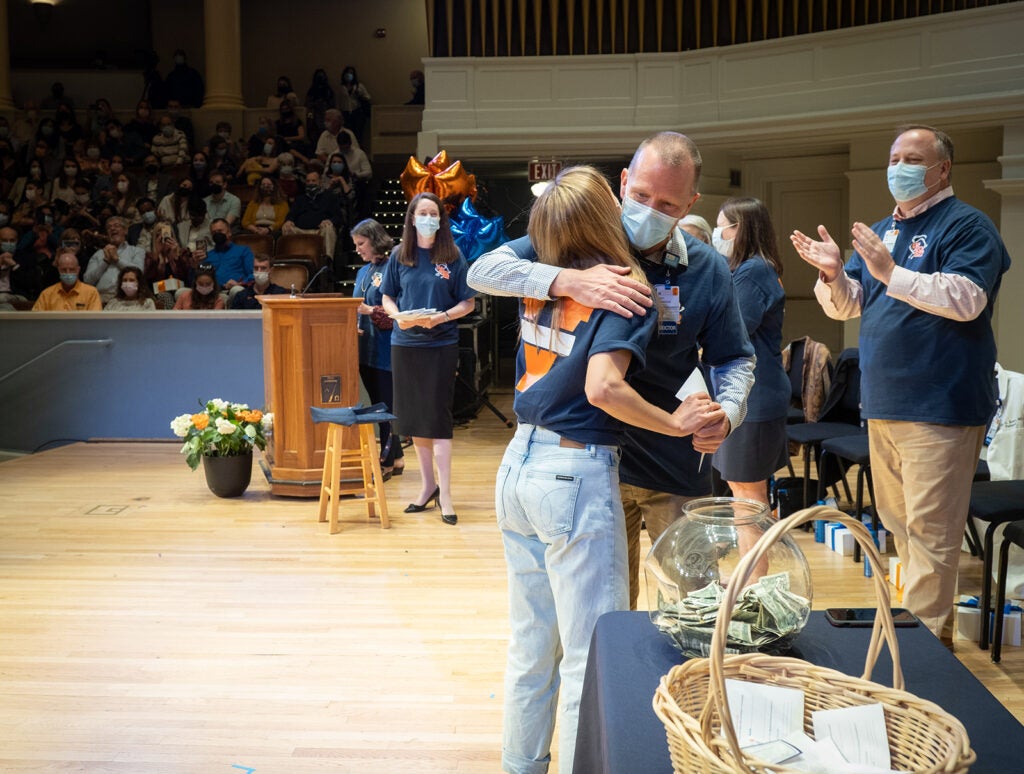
260,286
319,99
354,101
232,263
142,126
194,234
266,213
170,145
184,84
204,293
221,203
284,91
141,233
132,294
316,211
70,294
327,143
105,265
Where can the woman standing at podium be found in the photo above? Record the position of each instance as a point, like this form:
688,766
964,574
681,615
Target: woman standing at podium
426,276
374,245
557,488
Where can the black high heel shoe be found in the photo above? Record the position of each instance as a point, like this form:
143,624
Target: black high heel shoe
435,496
449,518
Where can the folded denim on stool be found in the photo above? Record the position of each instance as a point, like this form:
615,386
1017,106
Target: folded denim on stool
352,415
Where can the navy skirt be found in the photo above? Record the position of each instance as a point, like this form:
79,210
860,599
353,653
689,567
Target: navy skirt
753,452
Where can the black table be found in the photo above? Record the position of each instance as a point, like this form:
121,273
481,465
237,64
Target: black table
619,732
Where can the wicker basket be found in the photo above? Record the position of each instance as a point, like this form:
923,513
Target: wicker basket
691,699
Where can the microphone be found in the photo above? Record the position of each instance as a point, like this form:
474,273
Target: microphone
323,268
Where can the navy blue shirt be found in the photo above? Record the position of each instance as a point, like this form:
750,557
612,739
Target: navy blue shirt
709,323
426,286
762,303
551,371
374,344
917,366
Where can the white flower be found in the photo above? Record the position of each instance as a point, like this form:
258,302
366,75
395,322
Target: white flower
239,406
181,424
219,404
267,422
224,427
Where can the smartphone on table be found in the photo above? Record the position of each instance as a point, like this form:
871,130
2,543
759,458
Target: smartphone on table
860,617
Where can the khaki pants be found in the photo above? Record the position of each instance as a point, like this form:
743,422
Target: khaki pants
922,478
658,510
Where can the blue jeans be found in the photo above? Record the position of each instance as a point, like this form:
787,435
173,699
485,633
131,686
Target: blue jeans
563,530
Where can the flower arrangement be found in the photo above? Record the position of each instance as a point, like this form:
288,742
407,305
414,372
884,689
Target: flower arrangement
222,429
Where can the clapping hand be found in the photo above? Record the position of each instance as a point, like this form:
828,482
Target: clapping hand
825,255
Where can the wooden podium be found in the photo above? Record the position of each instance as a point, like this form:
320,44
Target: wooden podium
310,358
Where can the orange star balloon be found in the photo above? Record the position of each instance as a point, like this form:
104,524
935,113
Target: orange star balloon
449,182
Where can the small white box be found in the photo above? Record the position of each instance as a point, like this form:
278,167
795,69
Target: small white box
968,625
840,539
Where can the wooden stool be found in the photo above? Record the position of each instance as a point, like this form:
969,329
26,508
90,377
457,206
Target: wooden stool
367,459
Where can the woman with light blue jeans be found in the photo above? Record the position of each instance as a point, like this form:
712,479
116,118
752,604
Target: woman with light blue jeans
557,490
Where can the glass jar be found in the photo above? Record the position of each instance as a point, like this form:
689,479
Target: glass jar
692,562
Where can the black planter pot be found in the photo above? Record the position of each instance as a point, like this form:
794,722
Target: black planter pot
228,476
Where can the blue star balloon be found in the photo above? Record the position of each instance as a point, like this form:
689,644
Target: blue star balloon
475,234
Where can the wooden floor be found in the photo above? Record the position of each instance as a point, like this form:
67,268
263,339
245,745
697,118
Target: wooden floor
148,627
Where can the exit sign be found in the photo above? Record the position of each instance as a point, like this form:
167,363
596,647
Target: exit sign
544,170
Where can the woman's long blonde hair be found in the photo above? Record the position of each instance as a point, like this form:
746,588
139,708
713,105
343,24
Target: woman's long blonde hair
576,223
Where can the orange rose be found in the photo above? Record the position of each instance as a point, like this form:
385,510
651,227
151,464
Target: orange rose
201,421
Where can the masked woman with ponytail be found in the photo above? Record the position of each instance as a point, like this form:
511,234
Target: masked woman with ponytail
427,274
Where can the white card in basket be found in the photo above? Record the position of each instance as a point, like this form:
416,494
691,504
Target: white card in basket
764,713
859,733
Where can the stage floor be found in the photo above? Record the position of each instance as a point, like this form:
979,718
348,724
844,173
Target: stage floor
151,627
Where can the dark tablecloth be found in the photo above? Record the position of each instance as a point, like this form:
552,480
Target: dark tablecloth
620,734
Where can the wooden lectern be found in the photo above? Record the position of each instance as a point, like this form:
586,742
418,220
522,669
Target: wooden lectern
310,358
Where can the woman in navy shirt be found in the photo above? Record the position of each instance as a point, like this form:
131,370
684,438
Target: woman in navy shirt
427,275
757,448
374,245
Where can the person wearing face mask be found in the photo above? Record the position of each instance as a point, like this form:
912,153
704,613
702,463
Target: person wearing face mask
924,282
334,127
373,244
9,269
220,158
752,454
64,186
204,294
153,182
142,126
319,99
283,91
261,285
354,101
316,211
23,131
168,267
133,294
221,203
199,174
36,174
173,208
290,129
184,84
266,213
70,294
141,233
194,234
106,263
427,272
181,121
169,145
233,263
123,198
265,161
360,175
89,159
699,324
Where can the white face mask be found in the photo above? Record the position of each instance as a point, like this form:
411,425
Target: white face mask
427,225
130,288
262,277
722,245
645,226
122,186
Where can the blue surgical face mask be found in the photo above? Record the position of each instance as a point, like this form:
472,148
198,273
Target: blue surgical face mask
906,181
149,218
427,225
69,279
8,247
720,243
645,227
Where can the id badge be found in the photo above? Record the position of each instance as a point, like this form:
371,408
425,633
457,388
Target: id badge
889,240
668,319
